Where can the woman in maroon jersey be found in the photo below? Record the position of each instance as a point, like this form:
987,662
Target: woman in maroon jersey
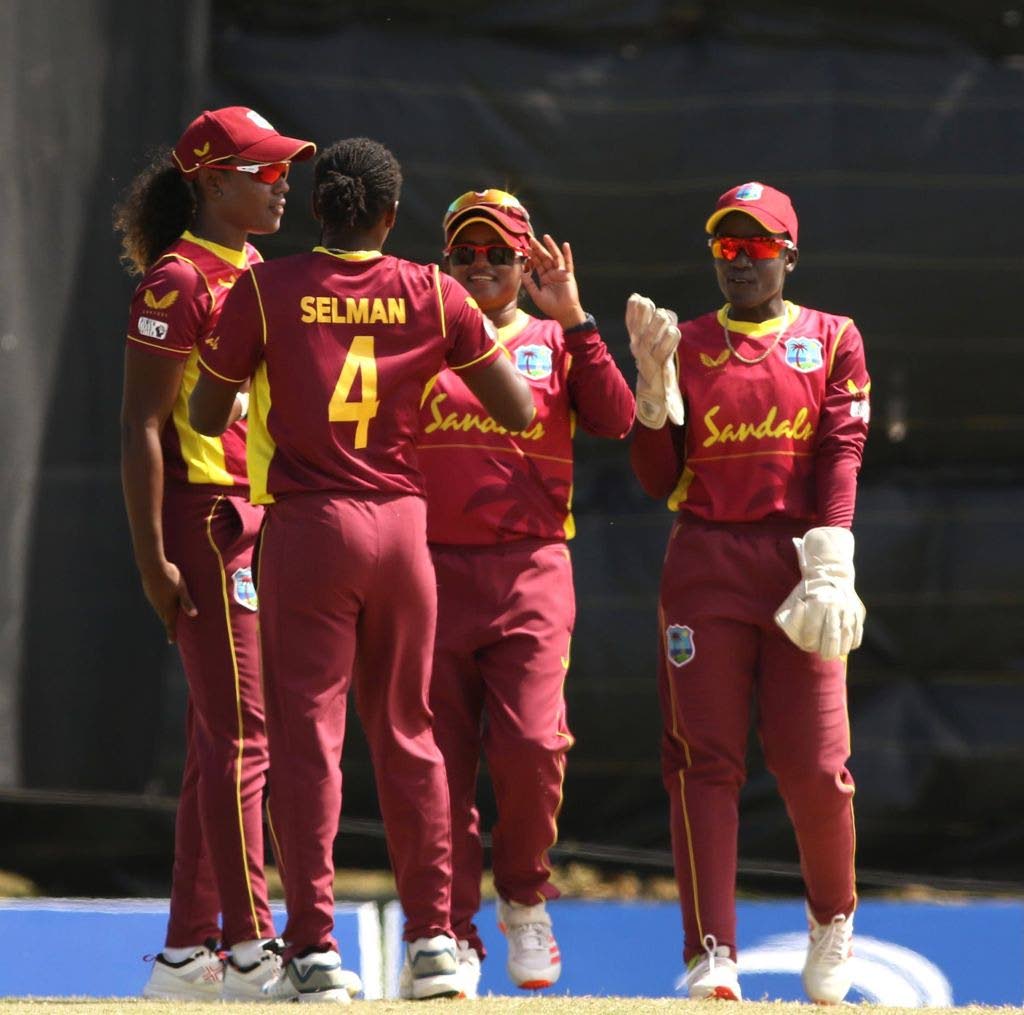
759,453
184,223
340,343
498,521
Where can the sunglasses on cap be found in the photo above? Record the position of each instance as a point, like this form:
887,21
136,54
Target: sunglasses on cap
491,198
269,173
757,248
497,254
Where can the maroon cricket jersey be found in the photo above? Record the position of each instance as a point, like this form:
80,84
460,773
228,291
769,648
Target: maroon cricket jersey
781,434
488,485
176,303
339,346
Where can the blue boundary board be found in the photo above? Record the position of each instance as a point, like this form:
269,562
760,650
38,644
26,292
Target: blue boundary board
102,945
905,954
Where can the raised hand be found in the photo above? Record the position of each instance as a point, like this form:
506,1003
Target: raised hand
552,282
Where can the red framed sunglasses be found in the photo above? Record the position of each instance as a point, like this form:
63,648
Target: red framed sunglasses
497,254
757,248
267,173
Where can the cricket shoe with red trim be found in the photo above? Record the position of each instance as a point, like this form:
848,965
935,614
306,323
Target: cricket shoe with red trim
828,971
199,977
713,976
534,961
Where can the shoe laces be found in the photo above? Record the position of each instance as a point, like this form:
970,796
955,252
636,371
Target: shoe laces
532,936
833,939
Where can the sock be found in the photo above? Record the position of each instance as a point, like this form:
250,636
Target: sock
247,953
176,955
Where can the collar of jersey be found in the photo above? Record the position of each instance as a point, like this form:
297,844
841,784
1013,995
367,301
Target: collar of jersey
758,329
236,258
516,325
348,255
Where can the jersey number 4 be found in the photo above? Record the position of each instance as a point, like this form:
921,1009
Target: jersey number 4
359,363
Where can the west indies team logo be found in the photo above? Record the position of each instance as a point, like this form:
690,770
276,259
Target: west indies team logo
245,590
679,644
534,361
804,354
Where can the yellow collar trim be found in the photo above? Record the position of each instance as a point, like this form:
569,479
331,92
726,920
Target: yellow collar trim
516,325
236,258
758,329
348,255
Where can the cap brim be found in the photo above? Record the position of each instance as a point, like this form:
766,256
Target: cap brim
279,149
519,240
770,222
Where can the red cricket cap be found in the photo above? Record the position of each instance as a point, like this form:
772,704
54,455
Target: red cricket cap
769,206
235,132
495,208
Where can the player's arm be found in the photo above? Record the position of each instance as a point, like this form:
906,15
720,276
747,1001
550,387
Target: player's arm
151,386
213,405
657,458
226,361
597,390
502,392
842,430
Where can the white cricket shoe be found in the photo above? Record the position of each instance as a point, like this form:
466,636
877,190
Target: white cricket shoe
245,983
534,961
431,969
828,972
314,978
196,978
469,970
713,975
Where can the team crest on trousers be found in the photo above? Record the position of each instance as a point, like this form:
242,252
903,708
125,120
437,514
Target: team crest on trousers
245,590
679,644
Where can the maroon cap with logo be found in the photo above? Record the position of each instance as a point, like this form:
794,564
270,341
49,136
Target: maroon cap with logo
769,206
235,132
495,208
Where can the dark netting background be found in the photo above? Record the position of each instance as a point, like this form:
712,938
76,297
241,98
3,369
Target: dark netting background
898,132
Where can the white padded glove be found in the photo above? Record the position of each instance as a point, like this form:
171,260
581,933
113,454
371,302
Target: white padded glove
653,337
823,613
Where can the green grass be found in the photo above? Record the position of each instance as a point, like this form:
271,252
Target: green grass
540,1005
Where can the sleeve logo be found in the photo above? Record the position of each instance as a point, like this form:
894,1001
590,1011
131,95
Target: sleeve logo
152,329
164,302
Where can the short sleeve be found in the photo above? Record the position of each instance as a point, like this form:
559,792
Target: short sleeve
169,310
232,350
472,340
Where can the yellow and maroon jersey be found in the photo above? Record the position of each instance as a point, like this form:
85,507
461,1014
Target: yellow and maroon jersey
776,422
175,304
339,347
488,485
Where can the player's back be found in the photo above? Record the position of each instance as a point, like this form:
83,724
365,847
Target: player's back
349,342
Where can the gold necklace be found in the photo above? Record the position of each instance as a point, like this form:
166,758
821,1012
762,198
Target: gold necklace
764,355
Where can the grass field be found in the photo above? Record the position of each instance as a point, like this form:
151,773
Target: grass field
546,1005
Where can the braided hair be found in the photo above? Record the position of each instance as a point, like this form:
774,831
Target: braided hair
355,182
156,208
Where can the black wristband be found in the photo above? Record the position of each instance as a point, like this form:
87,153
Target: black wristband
587,324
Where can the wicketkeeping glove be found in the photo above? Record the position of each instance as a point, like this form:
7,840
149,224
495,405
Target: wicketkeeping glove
823,613
653,337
